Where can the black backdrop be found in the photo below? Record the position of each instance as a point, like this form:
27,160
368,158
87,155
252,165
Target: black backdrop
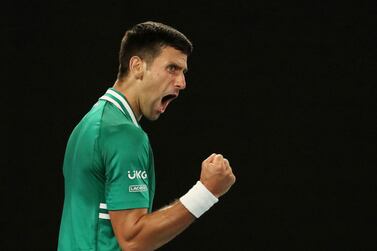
285,91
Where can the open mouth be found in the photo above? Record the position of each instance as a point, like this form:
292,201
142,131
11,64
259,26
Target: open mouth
166,100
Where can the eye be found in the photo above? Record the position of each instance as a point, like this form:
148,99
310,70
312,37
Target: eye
172,68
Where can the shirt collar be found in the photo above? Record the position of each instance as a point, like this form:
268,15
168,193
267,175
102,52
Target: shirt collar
120,101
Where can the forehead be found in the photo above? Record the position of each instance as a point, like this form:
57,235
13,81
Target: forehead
171,55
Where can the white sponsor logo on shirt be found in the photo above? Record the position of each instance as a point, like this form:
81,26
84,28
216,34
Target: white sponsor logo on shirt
137,188
137,174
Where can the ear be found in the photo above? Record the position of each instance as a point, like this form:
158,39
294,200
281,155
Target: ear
136,67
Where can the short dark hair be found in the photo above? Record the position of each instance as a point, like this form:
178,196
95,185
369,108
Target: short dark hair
146,40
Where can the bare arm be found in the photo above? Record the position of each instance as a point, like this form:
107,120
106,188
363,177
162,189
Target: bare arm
136,230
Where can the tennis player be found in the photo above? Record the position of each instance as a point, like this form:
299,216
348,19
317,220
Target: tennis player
108,167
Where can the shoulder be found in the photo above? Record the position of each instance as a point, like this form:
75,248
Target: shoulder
122,133
123,140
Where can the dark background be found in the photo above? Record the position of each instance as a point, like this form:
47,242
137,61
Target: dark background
287,92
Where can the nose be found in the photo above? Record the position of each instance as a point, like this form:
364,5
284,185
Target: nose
181,82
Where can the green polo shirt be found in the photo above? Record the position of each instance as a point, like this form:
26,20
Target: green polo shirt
108,165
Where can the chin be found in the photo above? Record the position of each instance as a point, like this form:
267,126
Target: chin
152,117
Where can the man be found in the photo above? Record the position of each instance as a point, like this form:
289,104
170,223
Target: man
108,164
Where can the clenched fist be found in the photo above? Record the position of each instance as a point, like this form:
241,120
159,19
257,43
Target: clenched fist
217,175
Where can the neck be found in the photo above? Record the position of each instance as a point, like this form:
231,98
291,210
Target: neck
130,94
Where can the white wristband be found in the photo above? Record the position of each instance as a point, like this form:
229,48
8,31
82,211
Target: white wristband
198,199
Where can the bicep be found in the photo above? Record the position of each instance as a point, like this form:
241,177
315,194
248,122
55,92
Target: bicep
125,223
136,229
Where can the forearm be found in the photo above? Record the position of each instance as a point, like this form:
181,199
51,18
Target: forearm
153,230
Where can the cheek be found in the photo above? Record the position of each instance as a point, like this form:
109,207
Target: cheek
156,86
154,83
161,77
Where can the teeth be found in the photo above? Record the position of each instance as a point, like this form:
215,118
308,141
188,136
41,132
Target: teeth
168,97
